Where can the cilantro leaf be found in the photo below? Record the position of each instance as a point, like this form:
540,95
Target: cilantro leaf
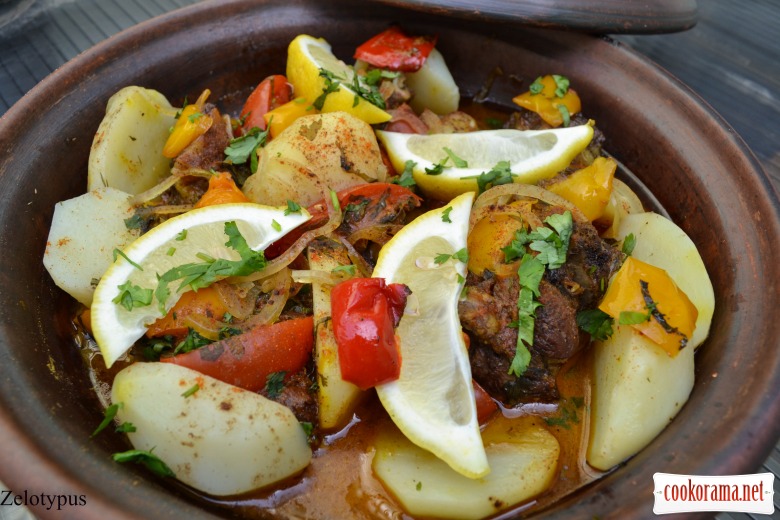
292,207
530,272
595,322
438,168
118,253
457,161
499,174
108,417
445,217
126,427
274,384
241,148
537,86
629,243
191,390
561,85
633,317
331,85
148,459
564,114
406,179
131,296
134,222
193,341
348,269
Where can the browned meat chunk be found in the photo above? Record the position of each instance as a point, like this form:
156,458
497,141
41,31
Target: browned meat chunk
207,151
298,397
490,306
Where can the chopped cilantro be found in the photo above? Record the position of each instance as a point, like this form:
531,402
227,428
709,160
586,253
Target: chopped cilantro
445,217
148,459
308,428
457,161
126,427
629,243
564,114
171,251
537,86
348,269
182,235
193,341
567,413
499,174
438,168
494,122
292,207
228,332
462,255
191,390
561,85
406,179
108,416
368,92
595,322
134,222
418,487
242,148
633,317
131,296
356,208
276,225
194,117
118,252
274,384
331,85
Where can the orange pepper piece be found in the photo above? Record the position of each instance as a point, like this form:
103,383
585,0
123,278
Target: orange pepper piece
589,188
191,124
625,295
222,190
282,116
199,310
547,102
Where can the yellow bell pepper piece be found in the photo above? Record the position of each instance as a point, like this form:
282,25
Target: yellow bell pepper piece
191,124
669,316
282,116
547,102
485,241
589,188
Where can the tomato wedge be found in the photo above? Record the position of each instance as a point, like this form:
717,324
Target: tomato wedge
272,92
386,194
395,50
365,312
246,360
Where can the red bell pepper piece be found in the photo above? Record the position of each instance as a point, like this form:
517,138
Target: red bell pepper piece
272,92
486,406
365,312
394,50
246,360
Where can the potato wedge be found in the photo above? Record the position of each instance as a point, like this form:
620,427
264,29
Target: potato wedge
84,233
221,440
637,389
523,458
316,153
433,86
336,398
127,149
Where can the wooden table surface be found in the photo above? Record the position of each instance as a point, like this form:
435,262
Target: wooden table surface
731,58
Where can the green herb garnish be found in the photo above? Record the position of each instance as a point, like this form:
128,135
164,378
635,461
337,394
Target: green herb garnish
561,85
274,384
462,255
242,148
445,217
148,459
457,161
596,322
108,416
629,243
191,390
292,207
131,296
348,269
406,179
118,253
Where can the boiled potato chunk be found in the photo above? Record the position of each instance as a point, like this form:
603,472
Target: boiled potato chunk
127,149
336,398
221,440
660,242
623,201
316,153
433,86
83,235
637,389
523,458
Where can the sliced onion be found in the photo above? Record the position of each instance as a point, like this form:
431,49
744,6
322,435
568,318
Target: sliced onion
278,285
357,259
239,298
499,195
286,258
155,191
379,233
207,327
315,276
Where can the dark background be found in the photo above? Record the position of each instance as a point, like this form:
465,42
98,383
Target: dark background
731,58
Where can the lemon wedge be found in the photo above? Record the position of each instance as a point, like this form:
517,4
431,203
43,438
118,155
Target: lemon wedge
532,155
190,238
306,56
432,401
